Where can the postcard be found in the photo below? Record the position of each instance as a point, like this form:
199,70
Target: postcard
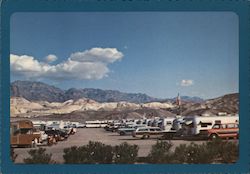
120,89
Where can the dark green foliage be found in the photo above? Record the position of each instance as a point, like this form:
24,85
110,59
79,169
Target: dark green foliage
72,155
38,156
125,153
223,151
160,152
99,153
192,153
216,151
93,153
13,155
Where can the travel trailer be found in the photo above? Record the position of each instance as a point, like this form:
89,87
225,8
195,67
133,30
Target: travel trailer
194,124
96,124
22,134
166,124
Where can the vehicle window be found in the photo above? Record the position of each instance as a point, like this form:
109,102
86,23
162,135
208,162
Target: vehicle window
152,130
217,122
142,130
169,123
236,125
203,124
216,126
223,126
230,126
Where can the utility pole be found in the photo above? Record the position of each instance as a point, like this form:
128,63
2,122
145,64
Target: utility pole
178,102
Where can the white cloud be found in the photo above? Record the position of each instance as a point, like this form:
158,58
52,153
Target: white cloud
78,66
187,82
50,58
105,55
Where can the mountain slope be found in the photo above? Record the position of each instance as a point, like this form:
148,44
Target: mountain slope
38,91
228,103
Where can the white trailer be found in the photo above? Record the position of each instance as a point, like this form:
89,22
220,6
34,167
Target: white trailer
96,124
193,124
166,124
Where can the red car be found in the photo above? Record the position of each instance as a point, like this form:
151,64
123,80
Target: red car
226,131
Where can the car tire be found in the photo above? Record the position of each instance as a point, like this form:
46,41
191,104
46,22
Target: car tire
213,136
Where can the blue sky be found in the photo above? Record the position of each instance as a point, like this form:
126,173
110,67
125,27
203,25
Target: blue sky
160,54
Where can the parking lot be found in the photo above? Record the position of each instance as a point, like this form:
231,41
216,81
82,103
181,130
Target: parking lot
84,135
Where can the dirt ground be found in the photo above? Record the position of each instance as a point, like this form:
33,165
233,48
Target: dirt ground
84,135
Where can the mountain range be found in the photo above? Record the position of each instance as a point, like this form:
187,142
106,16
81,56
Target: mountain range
39,100
38,91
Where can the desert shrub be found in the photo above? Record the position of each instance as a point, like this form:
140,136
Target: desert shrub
192,153
73,155
38,156
160,152
125,153
99,153
92,153
223,151
216,151
13,155
230,153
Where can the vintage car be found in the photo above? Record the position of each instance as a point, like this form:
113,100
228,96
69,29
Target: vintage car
148,132
128,130
58,135
22,134
224,131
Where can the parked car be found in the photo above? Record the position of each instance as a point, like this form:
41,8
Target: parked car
229,130
114,126
148,132
43,136
80,125
57,134
129,129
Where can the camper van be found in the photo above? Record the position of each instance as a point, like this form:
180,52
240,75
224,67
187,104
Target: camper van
194,124
22,134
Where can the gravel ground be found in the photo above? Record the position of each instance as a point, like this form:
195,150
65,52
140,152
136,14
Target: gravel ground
84,135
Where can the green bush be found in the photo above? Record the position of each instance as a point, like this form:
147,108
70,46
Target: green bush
38,156
223,151
192,153
92,153
160,152
99,153
216,151
125,153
